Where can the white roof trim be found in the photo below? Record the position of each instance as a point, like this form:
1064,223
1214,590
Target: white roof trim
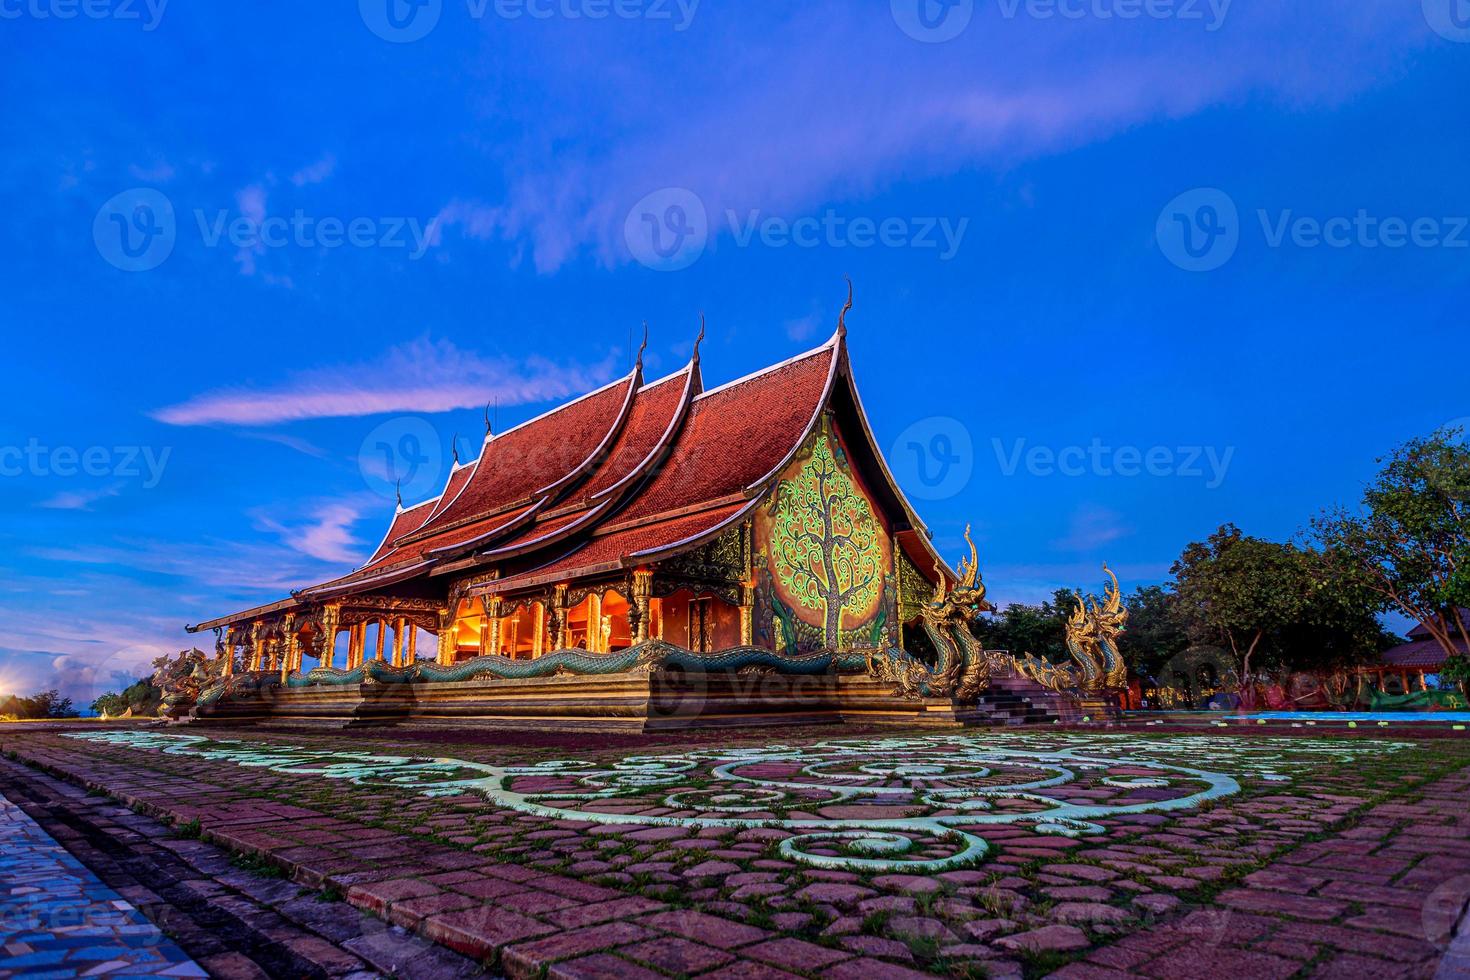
552,411
767,370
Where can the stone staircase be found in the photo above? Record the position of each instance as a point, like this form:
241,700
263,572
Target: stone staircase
1014,700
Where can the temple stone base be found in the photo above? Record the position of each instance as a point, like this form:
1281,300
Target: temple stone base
632,702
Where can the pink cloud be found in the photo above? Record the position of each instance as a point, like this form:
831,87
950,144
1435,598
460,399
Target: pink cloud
423,376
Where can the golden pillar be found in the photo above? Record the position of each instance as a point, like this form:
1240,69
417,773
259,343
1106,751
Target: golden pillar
447,643
492,624
291,646
398,642
538,643
594,623
413,643
642,590
382,631
328,653
257,646
228,652
559,618
747,614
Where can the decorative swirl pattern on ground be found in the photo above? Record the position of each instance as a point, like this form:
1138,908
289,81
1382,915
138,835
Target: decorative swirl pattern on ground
873,804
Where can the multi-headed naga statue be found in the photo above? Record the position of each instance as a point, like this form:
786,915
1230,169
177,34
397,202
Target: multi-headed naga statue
961,670
1092,643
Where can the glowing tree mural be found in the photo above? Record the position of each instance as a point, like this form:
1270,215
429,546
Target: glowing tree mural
826,545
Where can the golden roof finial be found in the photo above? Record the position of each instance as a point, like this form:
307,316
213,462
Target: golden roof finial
643,346
698,340
842,317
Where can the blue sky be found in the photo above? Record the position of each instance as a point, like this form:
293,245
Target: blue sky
1092,312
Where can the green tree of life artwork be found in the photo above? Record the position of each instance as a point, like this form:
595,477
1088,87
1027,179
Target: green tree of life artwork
826,544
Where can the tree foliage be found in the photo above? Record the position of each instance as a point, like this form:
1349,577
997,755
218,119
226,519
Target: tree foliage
826,540
141,697
45,704
1409,542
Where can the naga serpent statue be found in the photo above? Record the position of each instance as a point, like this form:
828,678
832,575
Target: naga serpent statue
961,670
1092,643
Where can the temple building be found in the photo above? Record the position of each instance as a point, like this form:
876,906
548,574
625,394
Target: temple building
755,514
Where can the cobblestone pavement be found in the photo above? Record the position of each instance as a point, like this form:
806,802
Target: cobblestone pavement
234,922
58,920
1331,857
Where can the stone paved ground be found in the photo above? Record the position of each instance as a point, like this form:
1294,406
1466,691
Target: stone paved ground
235,922
58,920
1316,867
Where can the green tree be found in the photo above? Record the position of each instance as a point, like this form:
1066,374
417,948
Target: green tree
1409,542
1241,592
1155,632
826,541
1024,628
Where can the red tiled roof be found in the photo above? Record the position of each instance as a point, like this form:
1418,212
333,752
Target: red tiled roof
1418,653
517,463
404,522
655,409
736,435
624,547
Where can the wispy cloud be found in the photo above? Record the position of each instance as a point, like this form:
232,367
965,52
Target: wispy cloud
79,499
1092,527
326,533
423,376
841,104
315,173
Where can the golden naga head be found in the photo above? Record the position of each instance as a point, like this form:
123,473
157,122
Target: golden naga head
970,590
